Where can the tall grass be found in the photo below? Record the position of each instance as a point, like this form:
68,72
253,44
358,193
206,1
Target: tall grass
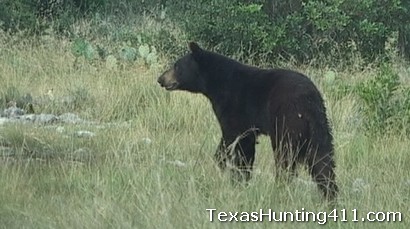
150,164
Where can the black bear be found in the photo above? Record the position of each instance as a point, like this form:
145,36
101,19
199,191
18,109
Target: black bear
249,101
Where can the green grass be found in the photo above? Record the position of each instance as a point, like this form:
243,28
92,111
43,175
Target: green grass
118,180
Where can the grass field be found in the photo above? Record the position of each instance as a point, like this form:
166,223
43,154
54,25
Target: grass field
150,163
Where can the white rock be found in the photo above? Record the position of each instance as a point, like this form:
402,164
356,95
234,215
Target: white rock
85,134
60,129
177,163
359,185
147,141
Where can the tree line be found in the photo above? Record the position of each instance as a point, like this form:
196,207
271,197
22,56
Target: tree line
302,29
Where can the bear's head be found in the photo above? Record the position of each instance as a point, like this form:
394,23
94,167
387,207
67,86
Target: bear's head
185,73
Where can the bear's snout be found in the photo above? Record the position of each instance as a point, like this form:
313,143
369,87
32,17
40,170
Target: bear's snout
168,81
160,81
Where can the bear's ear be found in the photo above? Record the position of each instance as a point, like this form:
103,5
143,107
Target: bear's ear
194,47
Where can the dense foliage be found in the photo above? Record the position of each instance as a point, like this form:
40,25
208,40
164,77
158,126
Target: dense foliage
300,29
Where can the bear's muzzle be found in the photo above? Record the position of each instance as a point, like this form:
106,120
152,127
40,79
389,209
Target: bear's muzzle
168,80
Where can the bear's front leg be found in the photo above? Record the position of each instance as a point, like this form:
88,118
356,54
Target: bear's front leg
238,155
221,154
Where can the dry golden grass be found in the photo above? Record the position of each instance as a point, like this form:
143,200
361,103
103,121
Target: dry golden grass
152,166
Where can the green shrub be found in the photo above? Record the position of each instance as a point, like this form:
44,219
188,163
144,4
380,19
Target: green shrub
231,27
386,103
299,29
303,30
17,15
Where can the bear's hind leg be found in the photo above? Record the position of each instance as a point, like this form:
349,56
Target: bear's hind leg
322,171
284,145
285,159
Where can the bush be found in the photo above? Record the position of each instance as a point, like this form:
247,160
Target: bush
299,29
338,28
386,103
232,27
17,15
